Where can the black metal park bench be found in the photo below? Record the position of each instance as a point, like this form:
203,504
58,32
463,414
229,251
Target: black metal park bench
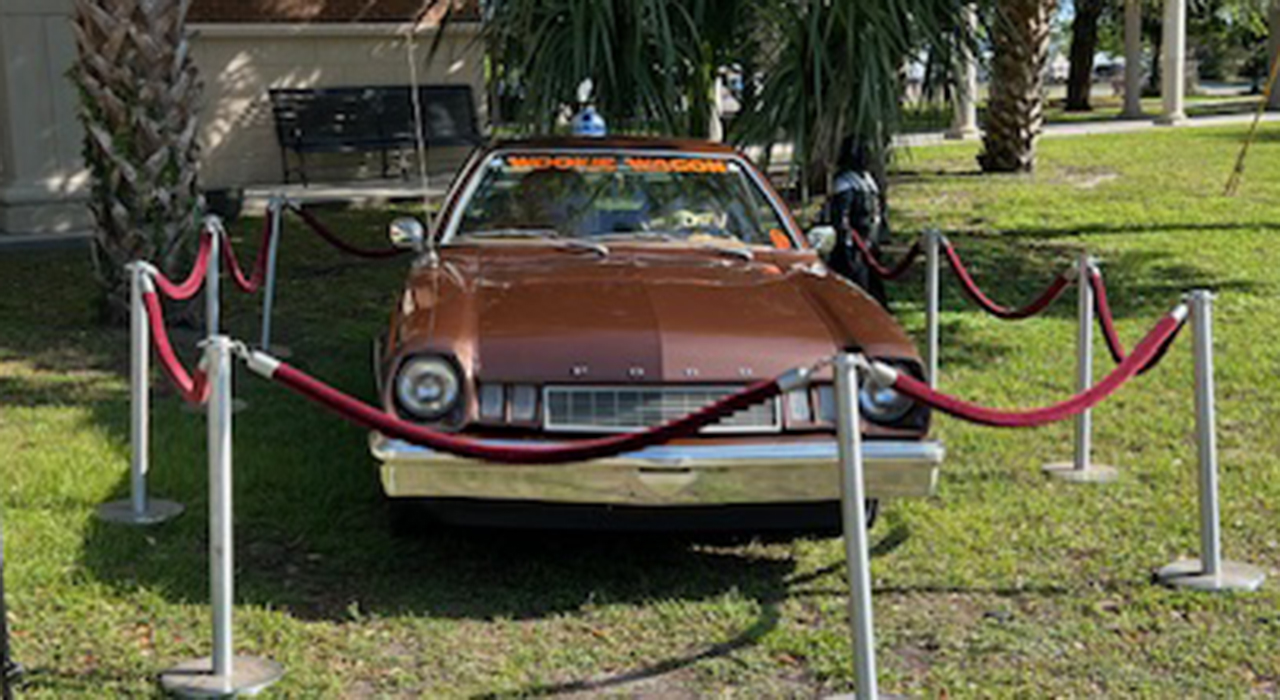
369,119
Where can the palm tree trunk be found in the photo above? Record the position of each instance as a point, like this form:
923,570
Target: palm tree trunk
1015,111
138,103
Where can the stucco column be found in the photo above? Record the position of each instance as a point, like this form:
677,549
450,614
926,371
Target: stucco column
1173,78
964,123
1132,59
43,184
1273,50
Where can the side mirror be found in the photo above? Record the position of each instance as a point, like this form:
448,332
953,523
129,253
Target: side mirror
822,239
408,232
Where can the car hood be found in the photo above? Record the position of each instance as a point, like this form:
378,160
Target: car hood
545,314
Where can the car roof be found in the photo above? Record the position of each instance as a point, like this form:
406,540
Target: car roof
614,143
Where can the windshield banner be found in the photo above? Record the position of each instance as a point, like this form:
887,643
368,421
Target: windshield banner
613,164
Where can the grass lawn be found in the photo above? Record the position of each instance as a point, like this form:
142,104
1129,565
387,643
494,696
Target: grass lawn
1005,584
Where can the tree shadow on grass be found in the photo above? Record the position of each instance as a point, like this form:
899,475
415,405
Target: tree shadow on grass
1140,284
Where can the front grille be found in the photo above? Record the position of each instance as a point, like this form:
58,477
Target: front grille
618,409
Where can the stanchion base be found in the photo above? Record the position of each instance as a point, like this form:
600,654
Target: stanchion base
1091,474
237,405
1231,576
250,675
157,511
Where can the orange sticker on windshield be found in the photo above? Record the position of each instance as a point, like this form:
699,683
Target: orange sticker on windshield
588,163
677,165
609,164
780,240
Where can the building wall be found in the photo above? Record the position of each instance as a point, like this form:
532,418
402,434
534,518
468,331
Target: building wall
239,63
254,45
258,11
42,178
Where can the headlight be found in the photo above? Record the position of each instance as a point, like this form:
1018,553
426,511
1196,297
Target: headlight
882,404
427,387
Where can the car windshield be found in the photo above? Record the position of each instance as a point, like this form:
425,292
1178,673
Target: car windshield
684,198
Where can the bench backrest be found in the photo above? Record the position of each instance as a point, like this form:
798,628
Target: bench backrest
377,116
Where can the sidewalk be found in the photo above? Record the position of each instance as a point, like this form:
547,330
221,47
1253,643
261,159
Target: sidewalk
1113,126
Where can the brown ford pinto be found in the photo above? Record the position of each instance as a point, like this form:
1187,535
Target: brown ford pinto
575,287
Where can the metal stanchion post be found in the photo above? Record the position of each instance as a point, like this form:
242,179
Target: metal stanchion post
223,673
275,210
1082,468
139,509
932,239
213,294
1210,572
212,283
854,519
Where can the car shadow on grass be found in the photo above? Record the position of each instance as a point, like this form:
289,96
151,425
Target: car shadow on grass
328,553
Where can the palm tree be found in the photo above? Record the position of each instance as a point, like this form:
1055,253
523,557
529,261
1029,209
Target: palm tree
641,56
837,70
812,71
1015,109
138,103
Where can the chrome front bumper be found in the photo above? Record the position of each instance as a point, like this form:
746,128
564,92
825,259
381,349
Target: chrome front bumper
779,472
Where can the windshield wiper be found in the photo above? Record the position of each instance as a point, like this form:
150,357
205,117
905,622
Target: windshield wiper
513,233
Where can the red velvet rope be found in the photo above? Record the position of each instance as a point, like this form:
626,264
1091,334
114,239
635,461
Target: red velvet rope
194,388
253,283
195,280
368,416
971,289
882,270
323,231
1148,351
1103,310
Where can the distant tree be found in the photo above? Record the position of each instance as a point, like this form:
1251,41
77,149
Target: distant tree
811,72
835,69
652,63
1084,45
